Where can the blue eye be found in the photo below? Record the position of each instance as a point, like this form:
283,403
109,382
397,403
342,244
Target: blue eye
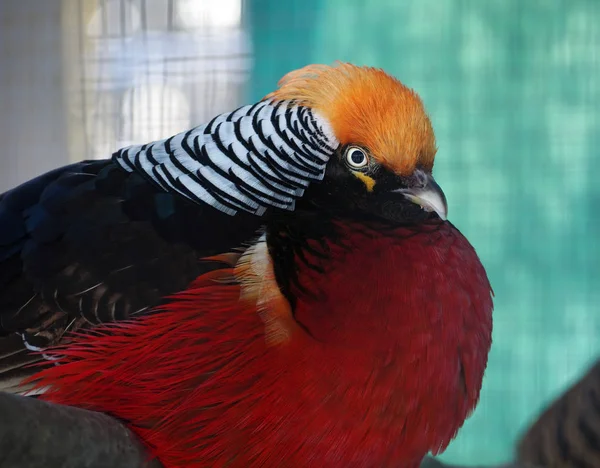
356,157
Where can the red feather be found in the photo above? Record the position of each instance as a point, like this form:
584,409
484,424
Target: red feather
399,333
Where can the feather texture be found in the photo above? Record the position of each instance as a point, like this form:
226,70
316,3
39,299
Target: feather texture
388,368
256,157
90,243
354,332
366,107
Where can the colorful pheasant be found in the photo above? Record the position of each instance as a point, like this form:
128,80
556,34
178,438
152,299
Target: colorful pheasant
281,284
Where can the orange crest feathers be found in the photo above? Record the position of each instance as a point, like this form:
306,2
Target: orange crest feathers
367,107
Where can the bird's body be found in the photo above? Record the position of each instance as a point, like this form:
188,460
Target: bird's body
336,320
90,243
410,387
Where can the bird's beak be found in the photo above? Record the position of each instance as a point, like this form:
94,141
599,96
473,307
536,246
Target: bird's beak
428,195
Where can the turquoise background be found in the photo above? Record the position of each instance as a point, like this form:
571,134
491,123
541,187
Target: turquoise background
513,89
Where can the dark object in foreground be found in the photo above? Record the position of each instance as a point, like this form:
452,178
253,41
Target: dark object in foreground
34,433
567,433
37,434
430,462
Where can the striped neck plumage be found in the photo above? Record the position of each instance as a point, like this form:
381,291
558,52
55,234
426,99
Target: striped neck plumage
254,158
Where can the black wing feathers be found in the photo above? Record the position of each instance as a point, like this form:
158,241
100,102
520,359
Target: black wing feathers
91,243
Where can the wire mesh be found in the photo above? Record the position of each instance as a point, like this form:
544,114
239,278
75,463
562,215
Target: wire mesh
152,68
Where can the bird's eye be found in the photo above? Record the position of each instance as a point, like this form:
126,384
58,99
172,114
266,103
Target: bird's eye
356,158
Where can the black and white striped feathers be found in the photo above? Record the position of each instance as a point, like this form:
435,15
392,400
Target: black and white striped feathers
103,241
254,158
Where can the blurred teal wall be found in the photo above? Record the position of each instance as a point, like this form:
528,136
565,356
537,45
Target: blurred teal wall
513,89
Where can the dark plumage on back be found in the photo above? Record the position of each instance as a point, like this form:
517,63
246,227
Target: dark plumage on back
103,241
100,241
91,243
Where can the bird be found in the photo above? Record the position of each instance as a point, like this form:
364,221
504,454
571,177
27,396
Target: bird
277,287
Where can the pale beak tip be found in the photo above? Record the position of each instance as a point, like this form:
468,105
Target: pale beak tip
430,200
428,195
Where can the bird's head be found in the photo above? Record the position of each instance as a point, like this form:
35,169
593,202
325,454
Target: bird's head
385,142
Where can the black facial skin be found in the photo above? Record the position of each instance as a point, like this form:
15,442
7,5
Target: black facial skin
342,194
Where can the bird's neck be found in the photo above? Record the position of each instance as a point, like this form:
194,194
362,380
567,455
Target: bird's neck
408,308
339,274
